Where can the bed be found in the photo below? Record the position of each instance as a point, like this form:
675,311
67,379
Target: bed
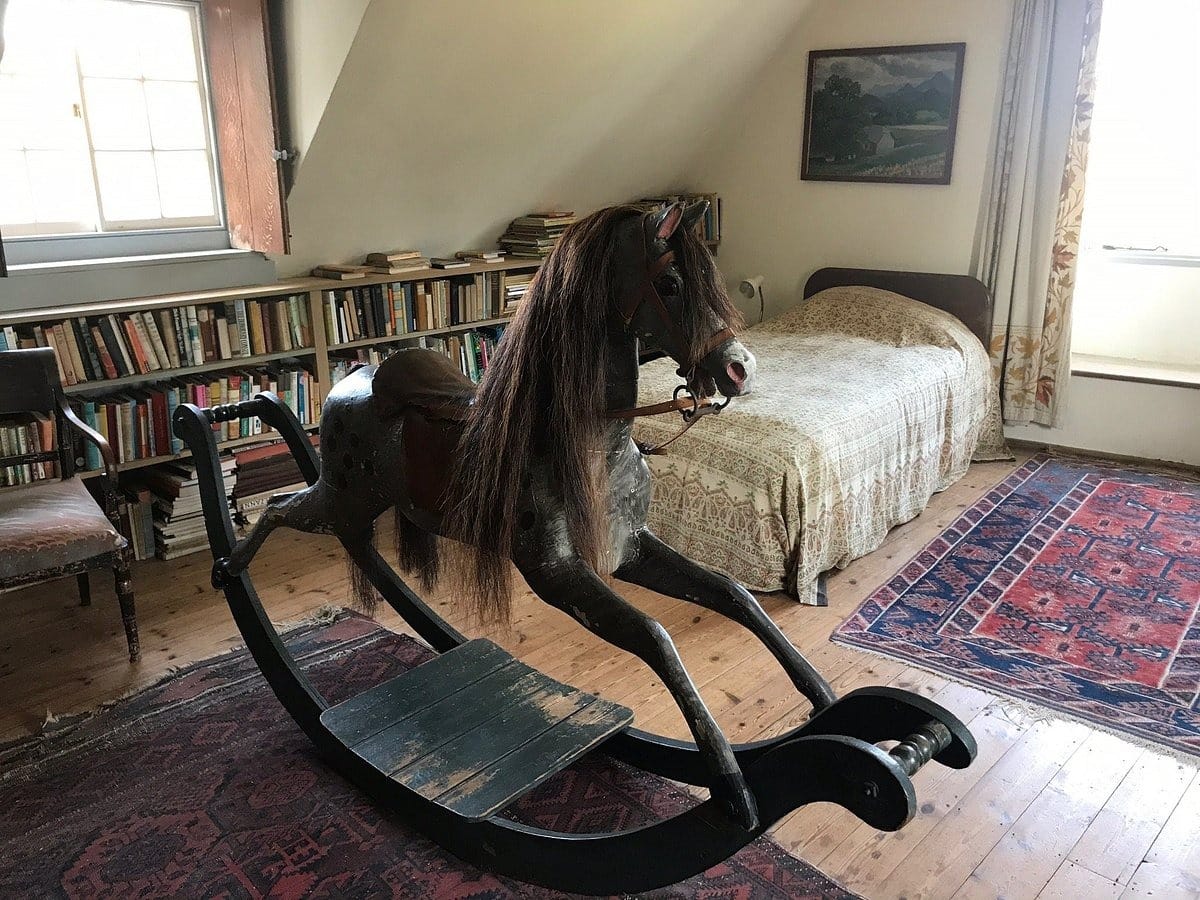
872,395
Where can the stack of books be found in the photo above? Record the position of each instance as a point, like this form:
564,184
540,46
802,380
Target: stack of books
481,256
395,262
30,433
137,519
263,472
515,286
137,422
95,348
707,229
534,236
178,518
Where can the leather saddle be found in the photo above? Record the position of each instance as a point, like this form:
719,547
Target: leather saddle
432,397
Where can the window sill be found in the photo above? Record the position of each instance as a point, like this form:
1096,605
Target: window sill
120,262
33,286
1114,368
1143,258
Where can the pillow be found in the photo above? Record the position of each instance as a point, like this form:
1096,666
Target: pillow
873,314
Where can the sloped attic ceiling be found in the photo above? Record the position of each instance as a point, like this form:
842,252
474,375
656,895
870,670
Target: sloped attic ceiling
449,117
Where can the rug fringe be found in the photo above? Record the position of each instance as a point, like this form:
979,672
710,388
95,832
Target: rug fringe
1026,713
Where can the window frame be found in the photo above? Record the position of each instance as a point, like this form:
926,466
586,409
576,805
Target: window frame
244,132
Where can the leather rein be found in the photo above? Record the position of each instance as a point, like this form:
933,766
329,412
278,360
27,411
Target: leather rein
686,400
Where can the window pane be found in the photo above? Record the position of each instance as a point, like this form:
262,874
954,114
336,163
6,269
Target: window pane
176,116
39,112
116,112
16,201
61,185
35,39
184,183
128,187
1143,182
167,42
108,38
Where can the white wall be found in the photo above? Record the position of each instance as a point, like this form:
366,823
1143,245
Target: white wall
784,228
451,117
318,38
1147,421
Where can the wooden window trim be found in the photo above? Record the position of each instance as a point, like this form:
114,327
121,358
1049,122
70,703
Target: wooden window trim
238,52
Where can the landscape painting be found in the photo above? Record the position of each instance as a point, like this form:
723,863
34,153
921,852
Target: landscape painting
884,114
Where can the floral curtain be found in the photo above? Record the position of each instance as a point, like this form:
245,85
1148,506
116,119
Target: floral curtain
1028,244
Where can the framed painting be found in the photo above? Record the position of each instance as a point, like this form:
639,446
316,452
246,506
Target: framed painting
882,114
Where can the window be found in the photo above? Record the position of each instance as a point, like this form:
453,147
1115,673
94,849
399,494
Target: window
1143,178
104,118
1137,294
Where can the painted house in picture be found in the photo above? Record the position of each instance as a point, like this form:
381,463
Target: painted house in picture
882,114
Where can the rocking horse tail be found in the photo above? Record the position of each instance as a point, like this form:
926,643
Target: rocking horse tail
417,550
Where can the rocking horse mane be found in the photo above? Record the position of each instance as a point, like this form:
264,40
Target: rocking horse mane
543,398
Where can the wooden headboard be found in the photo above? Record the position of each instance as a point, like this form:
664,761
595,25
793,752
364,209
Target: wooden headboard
962,296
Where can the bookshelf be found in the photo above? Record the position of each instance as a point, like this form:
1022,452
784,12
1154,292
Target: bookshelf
311,349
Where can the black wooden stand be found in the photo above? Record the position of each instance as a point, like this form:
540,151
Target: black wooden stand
452,742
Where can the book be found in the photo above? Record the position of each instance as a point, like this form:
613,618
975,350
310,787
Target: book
399,268
339,273
480,255
392,257
447,262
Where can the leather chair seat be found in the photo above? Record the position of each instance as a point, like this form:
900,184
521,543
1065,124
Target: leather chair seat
52,524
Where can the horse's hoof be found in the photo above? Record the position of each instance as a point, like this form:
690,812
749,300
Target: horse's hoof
221,576
739,801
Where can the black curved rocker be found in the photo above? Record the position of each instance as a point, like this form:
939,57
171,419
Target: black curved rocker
419,744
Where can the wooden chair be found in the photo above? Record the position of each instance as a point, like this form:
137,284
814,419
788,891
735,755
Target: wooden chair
54,528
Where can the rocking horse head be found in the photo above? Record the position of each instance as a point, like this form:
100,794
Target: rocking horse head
616,277
677,304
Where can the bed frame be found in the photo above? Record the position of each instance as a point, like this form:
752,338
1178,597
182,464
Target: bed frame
962,296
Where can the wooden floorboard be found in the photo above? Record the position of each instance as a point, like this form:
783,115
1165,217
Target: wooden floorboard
1051,809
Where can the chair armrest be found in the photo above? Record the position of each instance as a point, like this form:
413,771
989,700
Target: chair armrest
90,434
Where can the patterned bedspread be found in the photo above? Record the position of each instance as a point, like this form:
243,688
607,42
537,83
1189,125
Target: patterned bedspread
866,404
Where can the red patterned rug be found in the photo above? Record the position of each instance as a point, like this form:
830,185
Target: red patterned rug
203,787
1072,584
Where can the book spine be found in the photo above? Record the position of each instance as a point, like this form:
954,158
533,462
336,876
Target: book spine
135,350
182,344
115,341
166,330
195,339
221,333
172,405
91,453
106,360
243,323
149,357
87,353
150,326
283,329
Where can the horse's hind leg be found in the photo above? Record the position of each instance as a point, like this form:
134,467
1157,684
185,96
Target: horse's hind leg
570,585
663,569
304,510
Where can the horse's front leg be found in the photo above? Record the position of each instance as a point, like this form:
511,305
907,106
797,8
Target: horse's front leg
654,565
569,584
304,510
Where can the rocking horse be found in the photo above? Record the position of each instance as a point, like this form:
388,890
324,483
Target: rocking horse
538,466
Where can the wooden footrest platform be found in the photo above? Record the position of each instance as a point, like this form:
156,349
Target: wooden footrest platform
474,728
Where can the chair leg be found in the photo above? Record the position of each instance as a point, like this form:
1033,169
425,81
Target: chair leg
85,589
124,587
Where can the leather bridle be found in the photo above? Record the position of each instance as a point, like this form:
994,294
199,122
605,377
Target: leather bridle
687,400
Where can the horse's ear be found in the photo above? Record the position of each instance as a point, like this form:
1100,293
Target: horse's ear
667,220
694,213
